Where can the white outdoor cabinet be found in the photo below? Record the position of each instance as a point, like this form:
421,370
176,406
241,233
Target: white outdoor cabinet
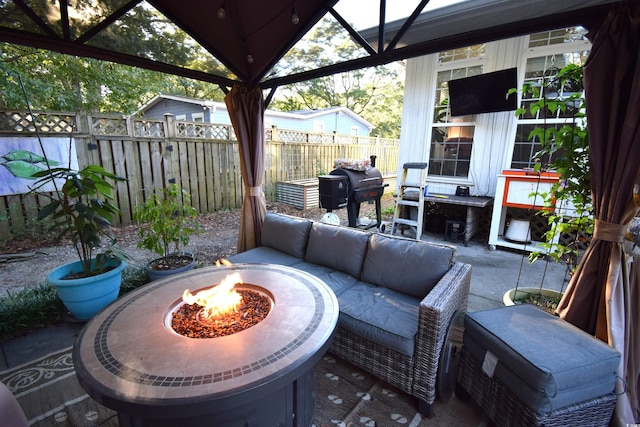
520,189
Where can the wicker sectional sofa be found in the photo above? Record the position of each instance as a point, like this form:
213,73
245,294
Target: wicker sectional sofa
397,296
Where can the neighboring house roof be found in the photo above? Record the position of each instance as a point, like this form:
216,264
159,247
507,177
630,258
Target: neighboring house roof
331,110
159,98
298,114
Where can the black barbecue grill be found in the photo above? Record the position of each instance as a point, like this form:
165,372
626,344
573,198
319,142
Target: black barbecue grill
348,188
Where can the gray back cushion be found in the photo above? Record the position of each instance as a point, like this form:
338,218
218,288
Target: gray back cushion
286,234
340,248
404,265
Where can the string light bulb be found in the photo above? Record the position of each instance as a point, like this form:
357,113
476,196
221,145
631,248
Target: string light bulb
222,12
250,59
295,19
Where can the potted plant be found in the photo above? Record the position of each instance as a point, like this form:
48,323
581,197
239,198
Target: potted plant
82,209
168,221
564,148
547,299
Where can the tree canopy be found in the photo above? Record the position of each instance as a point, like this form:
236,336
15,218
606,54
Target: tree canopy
58,82
374,93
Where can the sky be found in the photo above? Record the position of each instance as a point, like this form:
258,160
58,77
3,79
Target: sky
365,14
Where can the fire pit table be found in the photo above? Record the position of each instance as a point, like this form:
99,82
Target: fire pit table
129,358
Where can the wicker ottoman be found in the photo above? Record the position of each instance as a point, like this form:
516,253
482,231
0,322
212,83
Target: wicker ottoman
525,367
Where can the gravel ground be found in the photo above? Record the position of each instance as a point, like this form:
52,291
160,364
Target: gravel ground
26,262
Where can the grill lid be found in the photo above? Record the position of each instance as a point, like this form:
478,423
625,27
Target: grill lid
371,177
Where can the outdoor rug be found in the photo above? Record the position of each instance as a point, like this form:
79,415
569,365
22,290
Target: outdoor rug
49,394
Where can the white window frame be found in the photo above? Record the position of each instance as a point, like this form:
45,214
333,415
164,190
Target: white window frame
523,124
445,159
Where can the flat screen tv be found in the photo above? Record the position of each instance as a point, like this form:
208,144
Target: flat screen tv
484,93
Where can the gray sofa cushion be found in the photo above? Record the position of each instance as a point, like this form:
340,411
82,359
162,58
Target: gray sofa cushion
405,265
381,315
286,234
340,248
336,280
264,255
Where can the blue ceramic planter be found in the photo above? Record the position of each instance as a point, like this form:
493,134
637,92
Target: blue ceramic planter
87,296
161,274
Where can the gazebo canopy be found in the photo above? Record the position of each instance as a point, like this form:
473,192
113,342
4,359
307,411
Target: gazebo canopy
242,41
229,41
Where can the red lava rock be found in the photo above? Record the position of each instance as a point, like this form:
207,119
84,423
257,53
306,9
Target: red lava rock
253,309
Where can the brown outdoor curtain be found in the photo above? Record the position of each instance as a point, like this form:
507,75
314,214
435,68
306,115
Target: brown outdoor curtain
599,297
246,110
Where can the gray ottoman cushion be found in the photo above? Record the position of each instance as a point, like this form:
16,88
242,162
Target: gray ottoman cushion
381,315
405,265
545,361
285,233
340,248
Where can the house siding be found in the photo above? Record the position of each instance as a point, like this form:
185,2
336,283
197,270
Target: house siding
494,134
176,108
219,116
333,121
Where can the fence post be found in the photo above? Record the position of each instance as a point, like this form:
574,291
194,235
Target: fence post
170,146
82,123
130,130
84,140
170,125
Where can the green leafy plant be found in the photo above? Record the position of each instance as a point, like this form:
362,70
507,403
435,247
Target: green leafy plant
28,309
168,221
564,150
388,211
38,305
133,277
82,209
320,170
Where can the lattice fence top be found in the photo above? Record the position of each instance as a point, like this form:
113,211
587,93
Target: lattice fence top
149,128
204,130
23,121
295,136
298,136
133,127
109,126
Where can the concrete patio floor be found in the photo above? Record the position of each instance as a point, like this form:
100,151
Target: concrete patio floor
494,272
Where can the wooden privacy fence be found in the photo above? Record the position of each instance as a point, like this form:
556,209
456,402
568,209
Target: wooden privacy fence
201,157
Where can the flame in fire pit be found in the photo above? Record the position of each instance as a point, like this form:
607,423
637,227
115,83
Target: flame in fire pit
218,300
